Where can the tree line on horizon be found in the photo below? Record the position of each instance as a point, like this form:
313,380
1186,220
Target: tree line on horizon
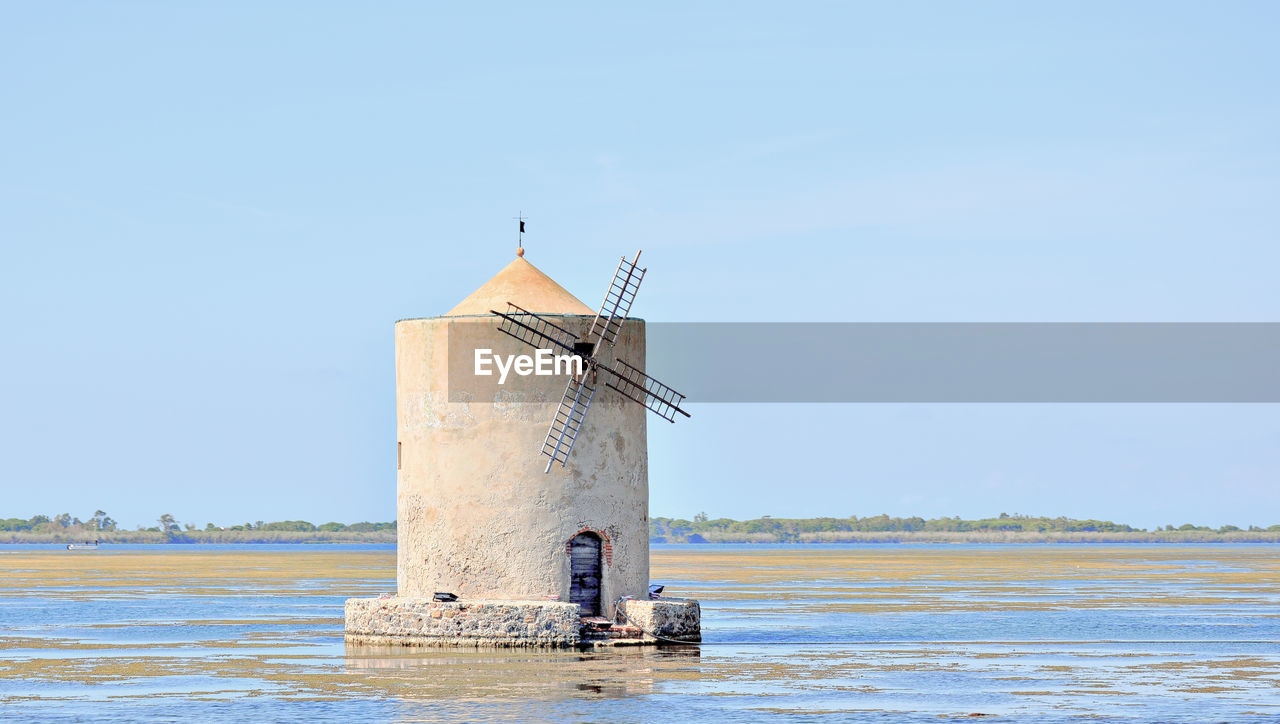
659,528
790,529
100,522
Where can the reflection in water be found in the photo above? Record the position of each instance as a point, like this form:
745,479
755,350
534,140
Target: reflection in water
887,633
431,673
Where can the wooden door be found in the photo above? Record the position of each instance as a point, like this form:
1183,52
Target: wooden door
584,573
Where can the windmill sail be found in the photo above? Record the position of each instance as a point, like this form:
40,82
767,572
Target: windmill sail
639,387
617,304
534,330
567,422
621,377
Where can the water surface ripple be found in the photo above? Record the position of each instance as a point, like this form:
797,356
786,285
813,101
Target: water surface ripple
862,633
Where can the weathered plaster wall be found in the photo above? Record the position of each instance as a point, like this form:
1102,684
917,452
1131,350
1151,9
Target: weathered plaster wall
477,516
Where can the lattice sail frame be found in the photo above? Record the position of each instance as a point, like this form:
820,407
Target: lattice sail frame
534,330
636,386
616,305
621,377
568,422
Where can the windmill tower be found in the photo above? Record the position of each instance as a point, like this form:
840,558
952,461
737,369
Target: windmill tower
535,553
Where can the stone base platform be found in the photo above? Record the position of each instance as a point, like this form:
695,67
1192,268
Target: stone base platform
533,624
425,622
664,620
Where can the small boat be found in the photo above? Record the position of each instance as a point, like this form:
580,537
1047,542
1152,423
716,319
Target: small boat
85,546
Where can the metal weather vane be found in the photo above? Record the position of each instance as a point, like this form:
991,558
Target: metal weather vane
520,234
619,376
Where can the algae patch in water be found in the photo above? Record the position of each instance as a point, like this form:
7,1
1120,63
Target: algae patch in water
799,630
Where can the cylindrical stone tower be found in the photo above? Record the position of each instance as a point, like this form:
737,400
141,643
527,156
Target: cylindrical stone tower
477,515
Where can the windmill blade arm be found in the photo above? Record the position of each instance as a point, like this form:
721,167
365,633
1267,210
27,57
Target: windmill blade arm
567,422
534,330
617,304
639,387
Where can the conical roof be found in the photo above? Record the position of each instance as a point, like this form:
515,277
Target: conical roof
524,285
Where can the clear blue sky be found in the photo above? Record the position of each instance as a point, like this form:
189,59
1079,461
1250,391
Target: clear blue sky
212,213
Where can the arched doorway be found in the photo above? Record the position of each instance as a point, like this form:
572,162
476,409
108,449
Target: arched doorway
584,572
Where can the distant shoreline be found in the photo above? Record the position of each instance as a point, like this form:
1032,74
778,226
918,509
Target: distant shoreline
197,537
1004,528
801,539
996,537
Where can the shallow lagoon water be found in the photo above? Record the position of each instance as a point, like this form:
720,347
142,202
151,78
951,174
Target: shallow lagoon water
864,632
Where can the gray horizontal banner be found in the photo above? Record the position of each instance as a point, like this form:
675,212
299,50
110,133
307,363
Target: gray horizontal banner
974,362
